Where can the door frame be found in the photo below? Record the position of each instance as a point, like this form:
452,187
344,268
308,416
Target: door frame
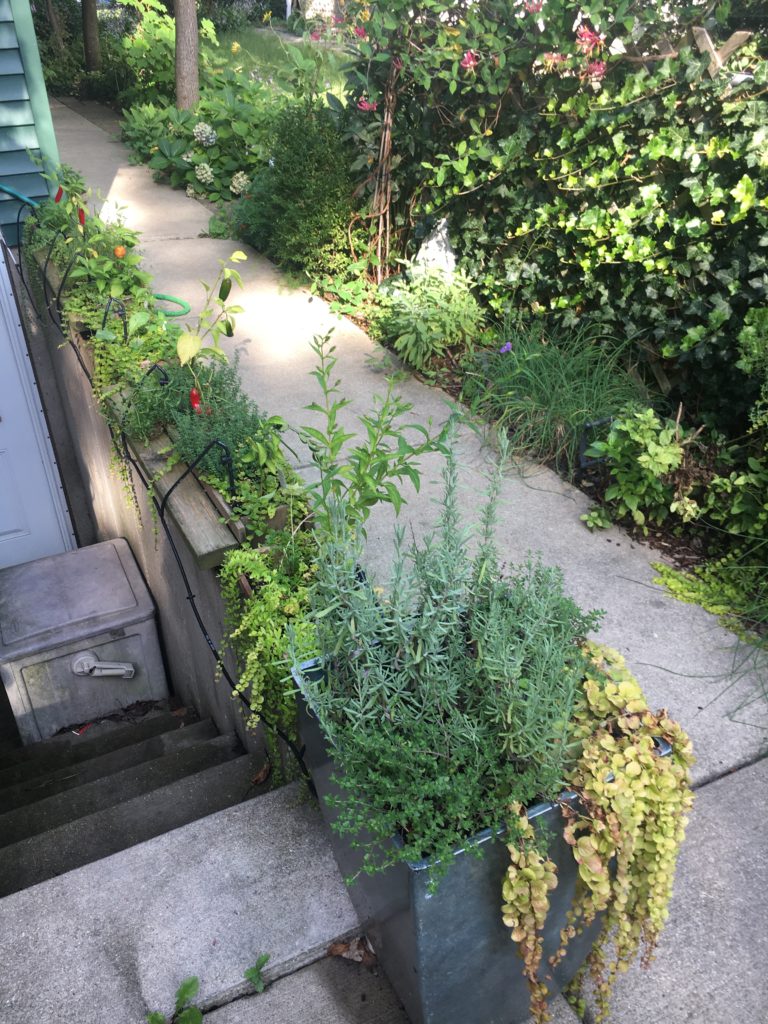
11,327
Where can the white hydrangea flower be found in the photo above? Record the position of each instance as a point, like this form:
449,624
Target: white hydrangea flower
191,194
204,174
239,184
204,134
188,157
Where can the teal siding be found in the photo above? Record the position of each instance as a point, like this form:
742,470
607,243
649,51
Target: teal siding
15,112
26,131
10,63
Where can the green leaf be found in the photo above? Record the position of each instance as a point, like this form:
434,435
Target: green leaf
253,974
156,1018
186,991
190,1016
137,320
187,347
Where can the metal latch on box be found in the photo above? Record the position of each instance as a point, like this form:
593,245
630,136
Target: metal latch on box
86,663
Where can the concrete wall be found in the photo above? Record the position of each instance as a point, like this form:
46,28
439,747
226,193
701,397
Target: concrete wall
103,507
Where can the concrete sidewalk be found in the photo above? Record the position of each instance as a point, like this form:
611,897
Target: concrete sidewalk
683,658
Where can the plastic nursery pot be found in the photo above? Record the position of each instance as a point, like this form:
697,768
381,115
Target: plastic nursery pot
448,954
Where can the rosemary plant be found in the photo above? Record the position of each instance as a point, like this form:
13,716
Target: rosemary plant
449,699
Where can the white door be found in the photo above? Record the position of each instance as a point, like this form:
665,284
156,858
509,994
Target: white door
33,515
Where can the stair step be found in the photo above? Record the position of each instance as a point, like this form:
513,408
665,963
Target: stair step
102,793
39,758
41,787
331,991
113,939
114,829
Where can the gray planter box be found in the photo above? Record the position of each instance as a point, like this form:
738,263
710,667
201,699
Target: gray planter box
448,955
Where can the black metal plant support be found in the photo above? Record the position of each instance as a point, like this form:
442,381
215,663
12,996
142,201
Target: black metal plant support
226,460
119,307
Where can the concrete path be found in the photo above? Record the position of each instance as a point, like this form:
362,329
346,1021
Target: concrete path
711,968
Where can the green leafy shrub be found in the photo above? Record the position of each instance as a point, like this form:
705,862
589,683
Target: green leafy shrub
616,207
230,15
642,451
578,183
428,315
736,501
150,50
300,206
543,388
214,151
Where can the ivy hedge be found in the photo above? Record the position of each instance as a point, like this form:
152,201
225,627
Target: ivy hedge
582,181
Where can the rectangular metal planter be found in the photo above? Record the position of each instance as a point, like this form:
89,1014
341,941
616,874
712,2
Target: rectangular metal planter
448,954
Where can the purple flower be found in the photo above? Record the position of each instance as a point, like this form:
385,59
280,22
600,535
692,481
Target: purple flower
506,347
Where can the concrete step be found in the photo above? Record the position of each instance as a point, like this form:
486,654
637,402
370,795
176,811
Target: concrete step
39,758
111,941
41,787
113,829
115,789
333,991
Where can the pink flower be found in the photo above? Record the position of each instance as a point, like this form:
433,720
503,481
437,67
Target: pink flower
596,70
338,20
397,64
533,6
587,40
360,32
551,60
315,36
469,60
366,105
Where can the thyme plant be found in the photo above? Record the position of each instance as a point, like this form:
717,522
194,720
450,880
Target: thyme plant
449,699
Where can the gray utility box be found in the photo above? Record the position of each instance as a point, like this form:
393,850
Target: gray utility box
77,638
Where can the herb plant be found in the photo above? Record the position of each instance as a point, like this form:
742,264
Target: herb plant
428,315
361,475
459,695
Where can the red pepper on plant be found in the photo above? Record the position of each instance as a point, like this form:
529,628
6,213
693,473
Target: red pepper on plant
59,194
195,401
81,217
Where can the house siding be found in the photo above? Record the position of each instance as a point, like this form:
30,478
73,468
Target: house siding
26,130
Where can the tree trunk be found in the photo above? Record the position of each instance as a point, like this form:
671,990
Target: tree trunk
91,44
187,74
57,35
